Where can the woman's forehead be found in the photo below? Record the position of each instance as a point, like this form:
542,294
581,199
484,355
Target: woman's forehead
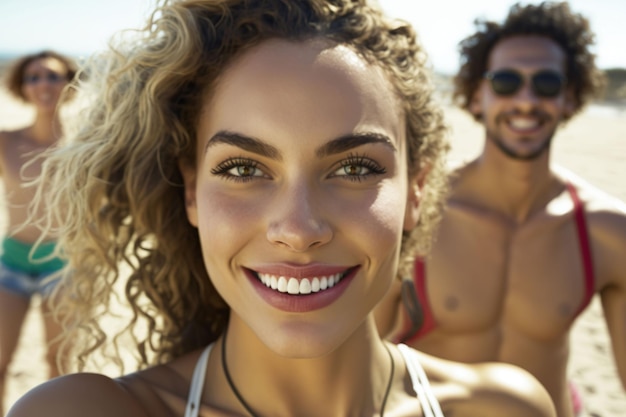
314,81
305,58
46,63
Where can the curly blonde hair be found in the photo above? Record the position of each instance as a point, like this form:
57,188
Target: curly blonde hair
118,192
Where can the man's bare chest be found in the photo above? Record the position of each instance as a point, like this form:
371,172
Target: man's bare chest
484,271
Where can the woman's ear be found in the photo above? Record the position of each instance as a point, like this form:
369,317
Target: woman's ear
188,171
414,197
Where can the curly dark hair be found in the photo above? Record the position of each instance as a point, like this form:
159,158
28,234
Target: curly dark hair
129,216
556,21
15,76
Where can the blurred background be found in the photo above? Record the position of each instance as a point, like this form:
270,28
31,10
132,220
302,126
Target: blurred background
593,145
80,27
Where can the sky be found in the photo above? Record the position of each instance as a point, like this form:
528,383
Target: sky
80,27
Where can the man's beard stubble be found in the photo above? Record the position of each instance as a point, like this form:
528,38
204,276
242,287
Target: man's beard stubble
512,153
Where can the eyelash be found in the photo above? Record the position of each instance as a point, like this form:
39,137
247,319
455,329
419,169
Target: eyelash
352,160
361,161
225,166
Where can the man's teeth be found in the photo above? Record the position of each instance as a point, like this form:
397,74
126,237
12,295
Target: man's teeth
295,286
524,124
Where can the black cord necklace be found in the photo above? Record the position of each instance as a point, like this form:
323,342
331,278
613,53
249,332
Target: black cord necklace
245,405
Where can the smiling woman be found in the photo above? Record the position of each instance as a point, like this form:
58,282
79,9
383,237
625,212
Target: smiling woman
260,166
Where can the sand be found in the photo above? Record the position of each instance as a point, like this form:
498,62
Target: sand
593,145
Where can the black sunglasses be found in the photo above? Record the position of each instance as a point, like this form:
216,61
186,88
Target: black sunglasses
544,83
50,76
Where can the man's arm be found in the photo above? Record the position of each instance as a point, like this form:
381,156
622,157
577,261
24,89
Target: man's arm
614,306
609,232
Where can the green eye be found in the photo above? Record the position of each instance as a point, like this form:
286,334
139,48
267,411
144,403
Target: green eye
239,169
357,167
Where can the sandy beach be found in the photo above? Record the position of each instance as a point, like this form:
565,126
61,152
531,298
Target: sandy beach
593,145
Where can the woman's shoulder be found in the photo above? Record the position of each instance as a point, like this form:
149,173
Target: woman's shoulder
5,136
157,391
78,394
162,390
11,138
486,389
510,390
13,134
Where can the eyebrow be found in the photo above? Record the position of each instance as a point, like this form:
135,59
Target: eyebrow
247,143
353,140
335,146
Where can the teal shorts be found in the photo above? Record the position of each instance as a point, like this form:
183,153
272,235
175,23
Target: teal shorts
24,273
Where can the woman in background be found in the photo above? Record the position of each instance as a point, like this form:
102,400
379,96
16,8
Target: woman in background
38,79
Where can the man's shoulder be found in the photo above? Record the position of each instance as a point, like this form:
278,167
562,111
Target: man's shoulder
605,216
77,394
596,202
457,167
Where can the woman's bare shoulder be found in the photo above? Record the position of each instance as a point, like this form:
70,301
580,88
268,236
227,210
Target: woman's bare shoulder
5,136
10,138
511,391
13,134
77,395
162,390
487,389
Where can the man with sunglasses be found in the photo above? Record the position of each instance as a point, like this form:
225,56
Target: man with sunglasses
523,246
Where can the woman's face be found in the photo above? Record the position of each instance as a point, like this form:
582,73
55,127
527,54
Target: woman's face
301,193
43,82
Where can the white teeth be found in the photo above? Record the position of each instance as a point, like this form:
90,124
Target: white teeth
315,285
524,123
305,287
293,287
296,286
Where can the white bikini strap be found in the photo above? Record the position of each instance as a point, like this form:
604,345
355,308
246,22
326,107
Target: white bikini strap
197,383
421,386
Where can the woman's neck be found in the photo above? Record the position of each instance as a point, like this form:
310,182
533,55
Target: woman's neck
350,380
46,128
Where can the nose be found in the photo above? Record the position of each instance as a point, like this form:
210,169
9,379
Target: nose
525,99
298,222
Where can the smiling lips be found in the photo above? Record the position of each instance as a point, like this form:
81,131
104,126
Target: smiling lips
523,123
300,289
294,286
